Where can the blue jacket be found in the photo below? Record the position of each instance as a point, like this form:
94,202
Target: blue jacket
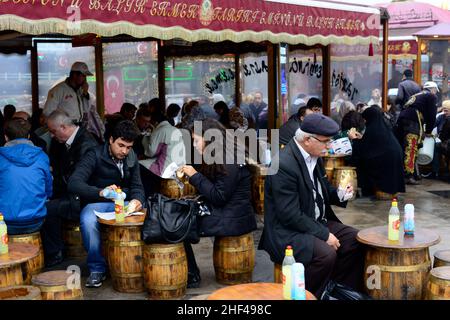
25,183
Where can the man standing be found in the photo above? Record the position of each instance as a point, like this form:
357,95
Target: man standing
110,166
406,88
298,212
69,144
72,94
420,110
260,111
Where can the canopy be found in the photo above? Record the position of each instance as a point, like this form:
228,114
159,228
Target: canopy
311,22
441,29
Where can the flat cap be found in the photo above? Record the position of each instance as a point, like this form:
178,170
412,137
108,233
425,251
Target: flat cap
317,123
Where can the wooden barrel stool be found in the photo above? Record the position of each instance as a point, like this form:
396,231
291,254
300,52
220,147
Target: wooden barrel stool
35,265
104,237
73,242
124,252
20,293
58,285
11,263
277,275
438,287
330,162
165,270
170,188
441,258
259,173
234,259
344,175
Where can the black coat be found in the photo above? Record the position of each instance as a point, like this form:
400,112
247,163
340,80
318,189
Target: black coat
289,207
229,200
287,130
63,161
406,89
97,170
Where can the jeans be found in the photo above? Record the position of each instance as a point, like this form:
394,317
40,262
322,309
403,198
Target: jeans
90,232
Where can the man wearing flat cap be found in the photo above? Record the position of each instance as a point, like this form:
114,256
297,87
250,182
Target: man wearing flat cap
71,95
298,212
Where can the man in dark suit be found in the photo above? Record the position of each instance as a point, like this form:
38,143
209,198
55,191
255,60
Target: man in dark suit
110,166
69,144
298,212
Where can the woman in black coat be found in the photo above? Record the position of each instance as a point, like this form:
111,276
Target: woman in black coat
225,187
378,156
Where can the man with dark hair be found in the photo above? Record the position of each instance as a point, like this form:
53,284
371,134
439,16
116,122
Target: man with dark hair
315,105
143,123
406,88
110,166
25,180
8,112
71,95
260,111
37,141
69,144
287,130
128,111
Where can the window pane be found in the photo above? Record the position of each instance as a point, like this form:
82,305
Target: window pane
54,62
130,73
15,81
305,78
436,64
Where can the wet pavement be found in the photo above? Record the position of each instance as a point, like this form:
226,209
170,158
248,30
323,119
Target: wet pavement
432,210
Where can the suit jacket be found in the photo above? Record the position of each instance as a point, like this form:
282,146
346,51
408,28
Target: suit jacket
289,207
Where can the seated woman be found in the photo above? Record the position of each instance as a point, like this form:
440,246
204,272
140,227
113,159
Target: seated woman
378,156
226,189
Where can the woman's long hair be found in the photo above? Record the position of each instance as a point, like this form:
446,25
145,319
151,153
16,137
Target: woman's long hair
212,170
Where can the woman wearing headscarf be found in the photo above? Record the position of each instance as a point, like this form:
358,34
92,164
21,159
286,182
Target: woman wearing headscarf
378,156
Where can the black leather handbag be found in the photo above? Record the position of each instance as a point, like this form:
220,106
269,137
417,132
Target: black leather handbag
171,220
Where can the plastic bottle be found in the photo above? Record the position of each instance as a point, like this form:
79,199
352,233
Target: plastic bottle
408,222
286,271
298,281
3,236
109,193
119,206
394,221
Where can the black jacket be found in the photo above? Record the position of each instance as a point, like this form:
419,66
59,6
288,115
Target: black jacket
287,130
229,198
289,207
63,161
406,89
97,170
426,103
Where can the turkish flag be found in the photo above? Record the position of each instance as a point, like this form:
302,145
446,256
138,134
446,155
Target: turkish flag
114,90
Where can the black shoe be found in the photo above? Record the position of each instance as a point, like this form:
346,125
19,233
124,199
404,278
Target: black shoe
194,280
95,279
412,181
54,260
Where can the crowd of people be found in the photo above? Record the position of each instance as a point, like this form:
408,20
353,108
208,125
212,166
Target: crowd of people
64,157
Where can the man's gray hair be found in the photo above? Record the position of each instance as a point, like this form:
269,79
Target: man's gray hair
301,135
60,117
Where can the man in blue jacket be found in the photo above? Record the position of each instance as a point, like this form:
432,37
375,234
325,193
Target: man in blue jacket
25,180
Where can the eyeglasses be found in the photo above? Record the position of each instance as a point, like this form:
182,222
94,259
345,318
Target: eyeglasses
325,142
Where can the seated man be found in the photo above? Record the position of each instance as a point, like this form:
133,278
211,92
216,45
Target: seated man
298,212
69,144
25,180
111,165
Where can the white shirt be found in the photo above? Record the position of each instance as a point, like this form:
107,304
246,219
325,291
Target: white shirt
72,137
311,164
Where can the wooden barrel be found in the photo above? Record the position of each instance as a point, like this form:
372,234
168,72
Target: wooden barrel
234,259
277,275
258,178
34,265
58,285
438,287
380,195
11,264
104,238
344,175
441,258
73,242
20,293
331,162
165,270
402,273
124,252
170,188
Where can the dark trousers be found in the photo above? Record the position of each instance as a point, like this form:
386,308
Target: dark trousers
51,232
192,264
345,266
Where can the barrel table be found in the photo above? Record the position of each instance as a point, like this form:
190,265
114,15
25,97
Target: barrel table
58,285
441,258
259,173
345,175
20,293
124,253
12,262
253,291
73,241
35,265
438,287
397,270
170,188
330,162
